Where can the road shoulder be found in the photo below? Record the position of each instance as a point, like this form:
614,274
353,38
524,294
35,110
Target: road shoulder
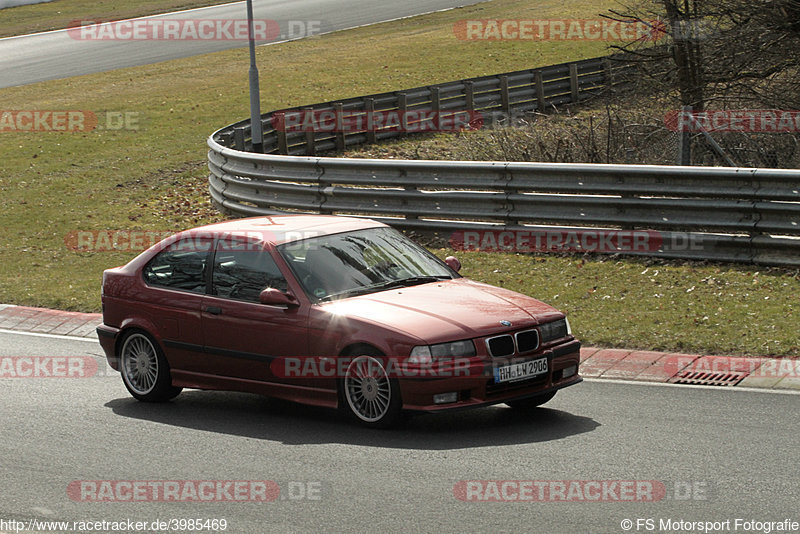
617,364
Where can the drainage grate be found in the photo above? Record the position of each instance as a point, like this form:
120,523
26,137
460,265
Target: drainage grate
706,378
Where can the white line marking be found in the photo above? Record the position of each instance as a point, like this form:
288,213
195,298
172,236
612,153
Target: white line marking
154,15
52,336
362,26
157,15
715,388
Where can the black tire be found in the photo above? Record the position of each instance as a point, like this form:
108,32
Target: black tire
532,402
368,394
144,369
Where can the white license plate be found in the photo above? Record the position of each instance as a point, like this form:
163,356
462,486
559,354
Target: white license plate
520,371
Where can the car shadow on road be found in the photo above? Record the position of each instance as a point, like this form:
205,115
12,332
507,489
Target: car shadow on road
252,416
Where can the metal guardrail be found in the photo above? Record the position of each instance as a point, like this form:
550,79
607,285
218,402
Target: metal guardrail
728,214
532,90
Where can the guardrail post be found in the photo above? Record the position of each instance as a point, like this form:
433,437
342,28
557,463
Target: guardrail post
573,82
469,94
280,132
283,145
238,138
338,108
436,99
436,107
608,74
539,81
402,106
369,107
505,101
311,146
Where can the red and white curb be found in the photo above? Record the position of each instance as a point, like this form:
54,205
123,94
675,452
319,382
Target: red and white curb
675,368
618,364
45,321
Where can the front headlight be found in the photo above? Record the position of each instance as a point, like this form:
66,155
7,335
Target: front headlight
421,355
425,354
554,330
456,349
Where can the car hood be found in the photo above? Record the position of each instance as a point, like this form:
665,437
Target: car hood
447,310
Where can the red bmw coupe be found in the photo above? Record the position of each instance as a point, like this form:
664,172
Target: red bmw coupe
330,311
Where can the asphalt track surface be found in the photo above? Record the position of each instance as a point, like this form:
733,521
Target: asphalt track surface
62,54
719,454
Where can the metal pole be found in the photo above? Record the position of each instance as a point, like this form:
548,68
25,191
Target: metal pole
710,140
255,99
685,132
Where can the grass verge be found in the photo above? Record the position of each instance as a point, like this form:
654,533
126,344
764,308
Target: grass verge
59,14
153,177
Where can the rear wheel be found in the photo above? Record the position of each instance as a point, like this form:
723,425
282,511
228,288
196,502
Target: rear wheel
144,369
370,395
531,402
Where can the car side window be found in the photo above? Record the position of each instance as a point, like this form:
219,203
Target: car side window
244,274
181,266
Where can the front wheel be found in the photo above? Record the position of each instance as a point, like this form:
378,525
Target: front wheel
532,402
144,369
371,396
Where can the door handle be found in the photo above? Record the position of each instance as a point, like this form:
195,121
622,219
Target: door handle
214,310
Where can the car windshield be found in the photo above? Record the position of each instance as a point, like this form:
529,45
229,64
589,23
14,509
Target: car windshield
364,261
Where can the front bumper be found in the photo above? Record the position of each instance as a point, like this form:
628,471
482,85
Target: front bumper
479,389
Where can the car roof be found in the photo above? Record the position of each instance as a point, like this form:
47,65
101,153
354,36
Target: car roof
279,229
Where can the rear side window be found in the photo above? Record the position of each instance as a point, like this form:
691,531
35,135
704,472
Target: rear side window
181,266
244,274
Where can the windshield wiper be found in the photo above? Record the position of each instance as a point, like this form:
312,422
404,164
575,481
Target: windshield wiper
403,282
349,292
411,281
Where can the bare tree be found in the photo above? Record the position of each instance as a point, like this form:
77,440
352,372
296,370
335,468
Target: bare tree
720,51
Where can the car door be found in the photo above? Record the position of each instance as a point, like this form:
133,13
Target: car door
242,337
177,278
